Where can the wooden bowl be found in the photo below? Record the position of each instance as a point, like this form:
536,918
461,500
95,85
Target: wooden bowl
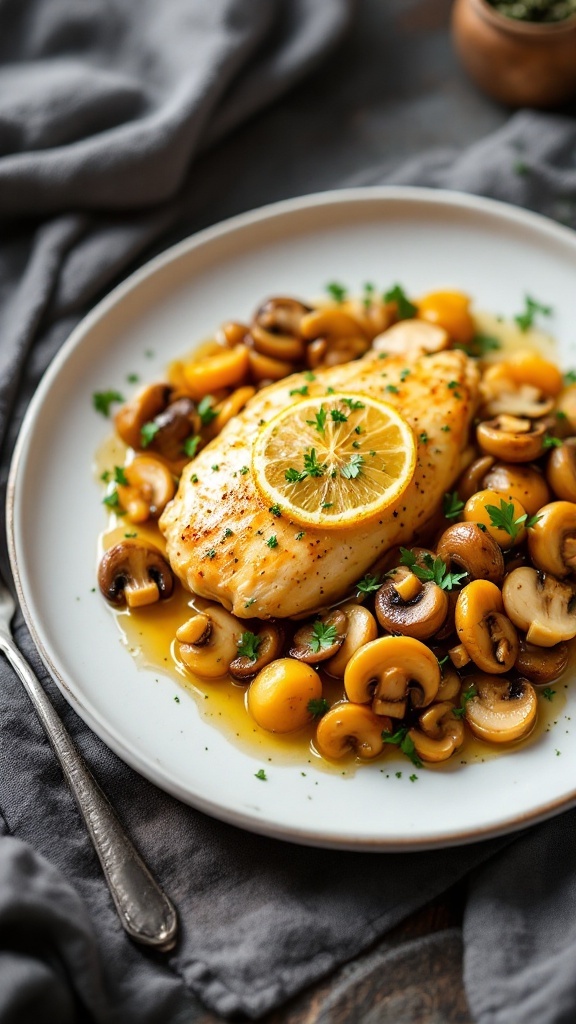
520,63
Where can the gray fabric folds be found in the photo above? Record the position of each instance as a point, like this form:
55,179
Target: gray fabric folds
112,120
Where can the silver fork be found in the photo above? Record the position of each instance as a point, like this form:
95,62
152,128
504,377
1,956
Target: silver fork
143,908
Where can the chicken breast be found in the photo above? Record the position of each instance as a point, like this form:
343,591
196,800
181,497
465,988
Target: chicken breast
217,526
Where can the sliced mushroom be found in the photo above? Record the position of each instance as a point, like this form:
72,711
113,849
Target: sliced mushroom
390,671
523,400
487,634
411,337
269,647
503,710
196,630
541,605
173,426
438,734
466,547
561,470
351,727
277,329
512,438
216,648
232,333
310,646
334,336
541,665
362,628
524,482
419,614
149,488
449,683
143,408
135,574
552,539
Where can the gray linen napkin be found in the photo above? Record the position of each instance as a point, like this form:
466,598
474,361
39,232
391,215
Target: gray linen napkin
102,108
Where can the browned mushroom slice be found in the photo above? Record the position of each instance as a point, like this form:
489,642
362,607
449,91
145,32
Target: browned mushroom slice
561,470
170,429
541,605
472,478
267,646
512,438
135,574
334,336
466,547
523,400
143,408
321,639
552,539
276,329
209,642
502,710
418,616
149,488
389,671
411,337
439,733
487,634
541,665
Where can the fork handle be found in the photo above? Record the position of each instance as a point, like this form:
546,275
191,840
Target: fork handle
143,908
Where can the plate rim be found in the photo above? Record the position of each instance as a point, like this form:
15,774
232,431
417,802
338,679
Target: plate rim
132,757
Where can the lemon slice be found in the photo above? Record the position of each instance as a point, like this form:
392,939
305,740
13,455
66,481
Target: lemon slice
334,461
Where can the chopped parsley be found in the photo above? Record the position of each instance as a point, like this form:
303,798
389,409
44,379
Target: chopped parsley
243,470
353,467
250,602
148,433
129,536
294,476
111,500
336,291
215,468
434,570
261,774
570,377
465,697
353,404
228,533
401,739
502,518
120,476
392,389
480,345
206,411
319,421
404,308
368,584
299,391
323,636
452,505
211,553
311,464
102,400
272,541
548,693
317,708
248,645
423,437
275,510
309,375
525,320
551,442
105,476
300,535
132,378
337,416
404,373
190,446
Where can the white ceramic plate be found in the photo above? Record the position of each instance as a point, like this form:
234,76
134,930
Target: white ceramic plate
423,239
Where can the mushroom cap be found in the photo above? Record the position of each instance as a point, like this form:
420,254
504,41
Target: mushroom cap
141,409
552,540
411,337
503,710
391,669
519,480
541,605
362,628
210,658
487,634
439,733
561,470
420,617
270,641
541,665
304,647
278,697
351,727
511,439
135,574
465,546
